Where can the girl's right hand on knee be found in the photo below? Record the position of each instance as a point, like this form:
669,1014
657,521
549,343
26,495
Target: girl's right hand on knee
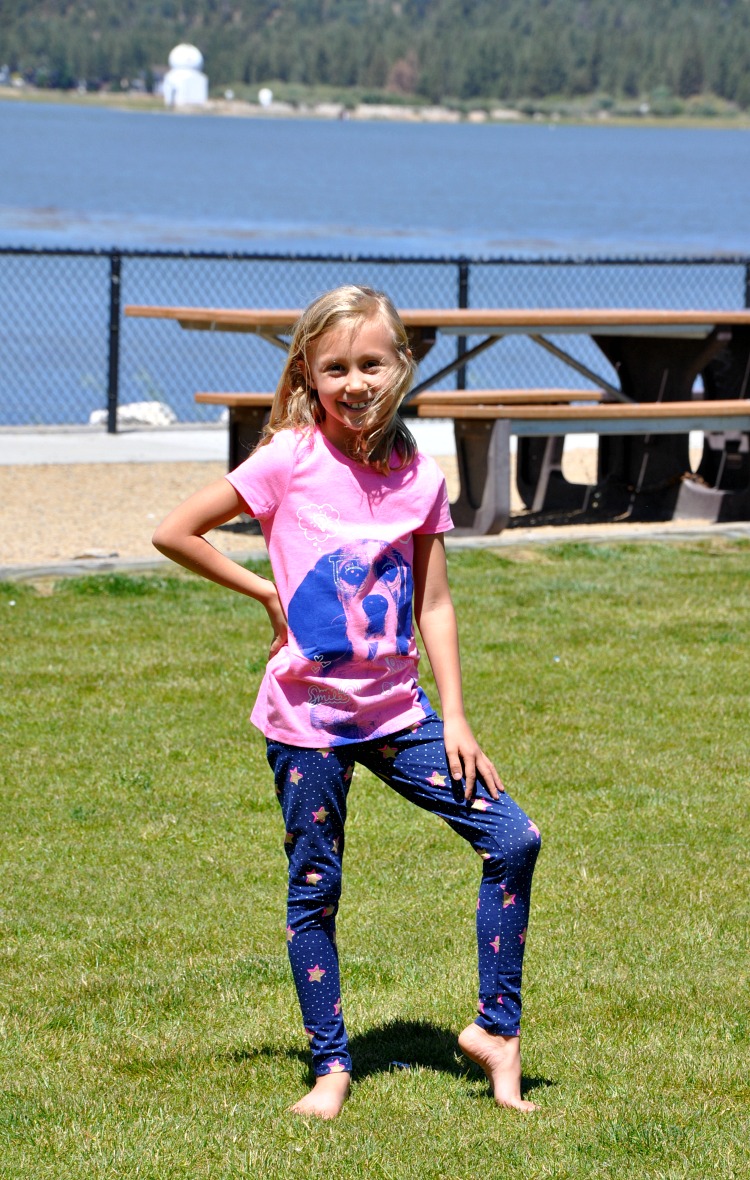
468,760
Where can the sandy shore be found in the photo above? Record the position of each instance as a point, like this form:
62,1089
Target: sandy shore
725,118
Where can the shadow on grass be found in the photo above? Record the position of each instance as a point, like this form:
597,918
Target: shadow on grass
415,1044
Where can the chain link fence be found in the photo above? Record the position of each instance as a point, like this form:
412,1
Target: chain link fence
67,350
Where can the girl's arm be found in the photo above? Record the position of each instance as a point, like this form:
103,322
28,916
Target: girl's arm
436,619
180,537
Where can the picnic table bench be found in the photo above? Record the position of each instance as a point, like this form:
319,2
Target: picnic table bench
248,412
643,457
484,420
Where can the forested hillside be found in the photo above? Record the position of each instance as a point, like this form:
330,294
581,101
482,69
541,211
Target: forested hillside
503,50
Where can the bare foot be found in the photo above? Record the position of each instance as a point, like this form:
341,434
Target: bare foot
500,1058
326,1098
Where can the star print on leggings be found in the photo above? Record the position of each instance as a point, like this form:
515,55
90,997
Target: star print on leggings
313,786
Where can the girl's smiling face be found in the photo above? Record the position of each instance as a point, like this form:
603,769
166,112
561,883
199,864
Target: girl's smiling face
348,365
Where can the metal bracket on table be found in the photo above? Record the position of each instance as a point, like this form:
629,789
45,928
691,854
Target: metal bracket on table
584,370
278,341
451,368
214,326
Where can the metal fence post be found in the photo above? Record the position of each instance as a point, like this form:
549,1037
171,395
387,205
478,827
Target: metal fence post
463,301
113,378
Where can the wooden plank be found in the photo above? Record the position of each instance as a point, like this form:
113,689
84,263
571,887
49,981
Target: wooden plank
610,412
223,318
442,397
505,397
281,320
234,399
575,317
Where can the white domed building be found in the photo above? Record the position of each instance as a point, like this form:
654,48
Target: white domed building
185,84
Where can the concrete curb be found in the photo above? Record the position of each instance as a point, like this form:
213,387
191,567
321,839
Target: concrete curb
604,534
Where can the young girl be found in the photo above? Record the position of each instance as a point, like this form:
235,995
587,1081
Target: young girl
353,517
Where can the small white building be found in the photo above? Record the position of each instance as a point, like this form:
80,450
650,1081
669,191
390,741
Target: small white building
185,84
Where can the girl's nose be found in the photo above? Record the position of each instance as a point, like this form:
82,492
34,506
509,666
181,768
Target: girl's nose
356,383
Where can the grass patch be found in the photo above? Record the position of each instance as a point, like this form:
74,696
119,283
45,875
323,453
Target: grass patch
148,1025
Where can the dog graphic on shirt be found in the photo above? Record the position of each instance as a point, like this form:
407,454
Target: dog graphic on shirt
352,610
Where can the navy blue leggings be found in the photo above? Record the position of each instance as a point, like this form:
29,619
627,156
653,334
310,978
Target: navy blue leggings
312,786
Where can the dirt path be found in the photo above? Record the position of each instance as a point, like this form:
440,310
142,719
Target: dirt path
57,513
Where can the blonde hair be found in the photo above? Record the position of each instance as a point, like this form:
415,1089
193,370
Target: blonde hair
296,406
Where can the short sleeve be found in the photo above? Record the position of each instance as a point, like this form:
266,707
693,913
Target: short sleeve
263,477
438,514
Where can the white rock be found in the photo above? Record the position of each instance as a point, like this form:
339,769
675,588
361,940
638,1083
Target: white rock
137,414
279,108
367,110
505,113
439,115
329,110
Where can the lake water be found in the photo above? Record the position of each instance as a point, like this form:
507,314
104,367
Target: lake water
90,177
78,176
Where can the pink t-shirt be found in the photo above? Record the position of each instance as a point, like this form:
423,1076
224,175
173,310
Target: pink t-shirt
340,540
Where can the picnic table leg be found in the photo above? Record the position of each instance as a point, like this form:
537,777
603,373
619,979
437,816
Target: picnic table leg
725,463
245,428
483,454
639,476
539,478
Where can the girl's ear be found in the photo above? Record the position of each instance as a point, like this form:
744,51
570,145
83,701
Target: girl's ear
409,353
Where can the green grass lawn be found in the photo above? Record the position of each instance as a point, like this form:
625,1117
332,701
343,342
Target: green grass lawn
148,1025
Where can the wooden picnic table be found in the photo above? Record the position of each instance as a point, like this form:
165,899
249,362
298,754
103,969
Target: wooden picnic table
642,343
657,354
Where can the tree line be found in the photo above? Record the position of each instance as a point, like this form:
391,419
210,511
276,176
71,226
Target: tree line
468,50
